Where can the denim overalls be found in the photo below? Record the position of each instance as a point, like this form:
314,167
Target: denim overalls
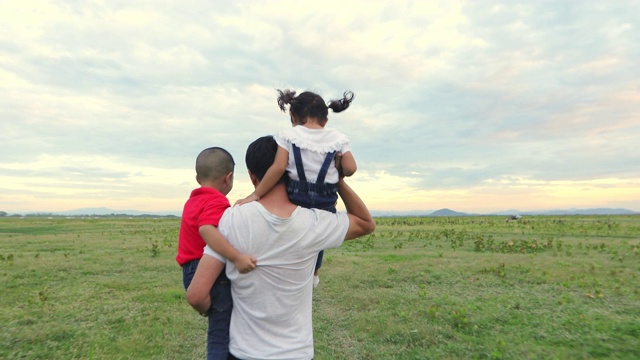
318,195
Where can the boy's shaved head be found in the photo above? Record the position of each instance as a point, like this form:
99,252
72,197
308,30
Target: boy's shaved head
214,163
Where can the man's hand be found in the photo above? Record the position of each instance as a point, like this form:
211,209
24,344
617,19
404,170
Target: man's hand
346,164
245,263
338,160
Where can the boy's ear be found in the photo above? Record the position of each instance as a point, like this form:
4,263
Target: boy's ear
198,180
228,177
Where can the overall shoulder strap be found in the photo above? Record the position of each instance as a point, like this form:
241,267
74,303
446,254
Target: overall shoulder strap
298,159
328,161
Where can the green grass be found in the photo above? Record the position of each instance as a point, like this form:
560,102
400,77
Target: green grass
418,288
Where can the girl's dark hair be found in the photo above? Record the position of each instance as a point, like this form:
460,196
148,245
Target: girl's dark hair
309,104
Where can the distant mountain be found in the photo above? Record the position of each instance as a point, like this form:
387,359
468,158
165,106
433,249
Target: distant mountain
380,213
447,212
441,212
102,211
510,212
596,211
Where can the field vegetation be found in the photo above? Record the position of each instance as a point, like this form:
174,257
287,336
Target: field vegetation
541,287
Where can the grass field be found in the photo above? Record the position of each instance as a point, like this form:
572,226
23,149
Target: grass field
543,287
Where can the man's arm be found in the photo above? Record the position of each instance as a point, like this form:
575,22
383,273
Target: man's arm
198,293
360,220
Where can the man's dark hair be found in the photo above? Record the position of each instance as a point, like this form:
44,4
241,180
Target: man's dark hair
260,156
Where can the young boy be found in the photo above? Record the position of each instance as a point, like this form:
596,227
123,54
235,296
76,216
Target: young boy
200,217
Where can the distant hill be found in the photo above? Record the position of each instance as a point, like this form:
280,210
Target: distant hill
597,211
447,212
102,211
441,212
379,213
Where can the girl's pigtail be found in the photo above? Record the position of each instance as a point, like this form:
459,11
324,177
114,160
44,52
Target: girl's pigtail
342,104
285,97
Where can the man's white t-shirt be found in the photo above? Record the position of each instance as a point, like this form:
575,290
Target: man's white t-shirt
271,316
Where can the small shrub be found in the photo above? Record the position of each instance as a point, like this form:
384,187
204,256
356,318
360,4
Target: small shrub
155,250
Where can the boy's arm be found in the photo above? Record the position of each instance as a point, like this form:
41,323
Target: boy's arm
219,244
271,177
347,164
198,292
360,220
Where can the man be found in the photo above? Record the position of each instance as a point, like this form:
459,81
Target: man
271,316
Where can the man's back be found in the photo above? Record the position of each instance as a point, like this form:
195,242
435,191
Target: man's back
272,304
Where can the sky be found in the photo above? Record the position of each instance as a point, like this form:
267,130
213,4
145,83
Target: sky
475,106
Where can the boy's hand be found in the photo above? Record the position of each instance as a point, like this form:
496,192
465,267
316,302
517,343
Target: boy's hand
248,199
245,263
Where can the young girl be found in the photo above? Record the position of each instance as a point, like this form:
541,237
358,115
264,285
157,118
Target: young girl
307,152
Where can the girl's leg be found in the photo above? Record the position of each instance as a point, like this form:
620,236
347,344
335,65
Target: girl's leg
316,278
319,262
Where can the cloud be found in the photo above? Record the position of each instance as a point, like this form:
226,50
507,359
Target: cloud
450,95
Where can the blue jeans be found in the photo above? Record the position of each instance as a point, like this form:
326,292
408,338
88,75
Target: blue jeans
219,314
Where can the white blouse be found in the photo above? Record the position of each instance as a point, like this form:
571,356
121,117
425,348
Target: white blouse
314,146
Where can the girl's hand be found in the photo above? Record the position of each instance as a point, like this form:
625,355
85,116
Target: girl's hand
248,199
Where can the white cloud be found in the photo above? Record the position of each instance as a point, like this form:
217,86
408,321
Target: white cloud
450,96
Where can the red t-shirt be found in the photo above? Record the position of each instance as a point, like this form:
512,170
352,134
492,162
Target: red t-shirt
204,207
